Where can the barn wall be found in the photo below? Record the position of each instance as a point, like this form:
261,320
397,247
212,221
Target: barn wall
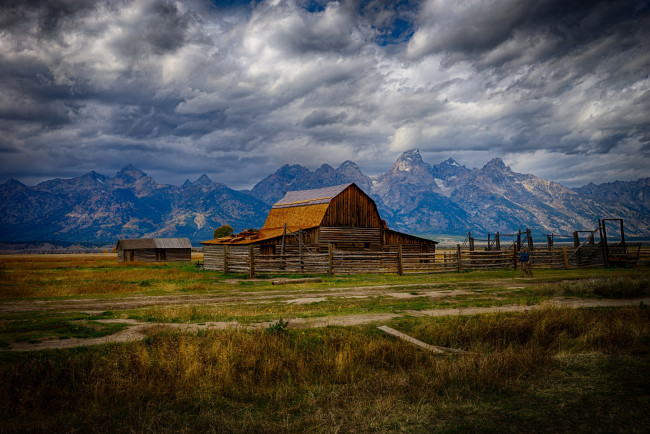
120,255
349,237
352,208
213,257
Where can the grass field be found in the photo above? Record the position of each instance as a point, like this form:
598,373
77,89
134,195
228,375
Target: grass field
546,369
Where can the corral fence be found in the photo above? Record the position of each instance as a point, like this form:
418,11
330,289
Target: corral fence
394,259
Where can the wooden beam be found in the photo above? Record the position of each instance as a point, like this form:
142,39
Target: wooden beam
251,258
330,259
400,267
407,338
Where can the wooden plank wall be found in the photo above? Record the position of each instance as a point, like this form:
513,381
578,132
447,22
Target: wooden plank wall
352,208
178,255
349,238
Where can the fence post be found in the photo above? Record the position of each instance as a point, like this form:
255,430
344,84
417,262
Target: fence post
530,240
330,260
460,262
497,239
400,267
514,258
565,257
225,258
251,258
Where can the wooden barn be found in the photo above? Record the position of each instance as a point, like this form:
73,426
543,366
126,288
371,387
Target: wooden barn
154,250
342,216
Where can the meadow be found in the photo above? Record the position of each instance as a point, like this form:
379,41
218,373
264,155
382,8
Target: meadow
535,360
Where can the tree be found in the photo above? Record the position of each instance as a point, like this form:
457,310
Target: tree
223,231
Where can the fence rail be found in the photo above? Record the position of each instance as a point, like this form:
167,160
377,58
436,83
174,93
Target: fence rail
392,259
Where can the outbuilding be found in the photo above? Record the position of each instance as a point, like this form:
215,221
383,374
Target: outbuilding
154,250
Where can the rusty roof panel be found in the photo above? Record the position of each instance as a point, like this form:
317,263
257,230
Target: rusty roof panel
262,235
296,217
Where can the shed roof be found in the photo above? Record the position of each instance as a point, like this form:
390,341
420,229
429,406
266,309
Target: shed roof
155,243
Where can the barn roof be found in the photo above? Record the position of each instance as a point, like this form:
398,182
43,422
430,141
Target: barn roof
155,243
316,196
302,209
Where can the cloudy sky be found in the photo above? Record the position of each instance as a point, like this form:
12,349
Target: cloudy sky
235,89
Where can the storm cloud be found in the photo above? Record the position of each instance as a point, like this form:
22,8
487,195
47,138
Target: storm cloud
179,88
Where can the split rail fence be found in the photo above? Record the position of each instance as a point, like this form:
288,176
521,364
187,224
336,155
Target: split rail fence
250,260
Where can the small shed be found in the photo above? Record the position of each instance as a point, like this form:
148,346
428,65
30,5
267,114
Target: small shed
154,250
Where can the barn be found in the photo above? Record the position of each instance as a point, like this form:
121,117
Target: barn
341,216
154,250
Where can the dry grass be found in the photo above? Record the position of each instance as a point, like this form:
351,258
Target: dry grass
356,378
609,287
28,276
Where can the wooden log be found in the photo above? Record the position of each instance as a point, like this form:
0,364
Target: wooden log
330,259
459,258
251,255
407,338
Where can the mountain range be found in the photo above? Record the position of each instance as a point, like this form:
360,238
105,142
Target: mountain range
412,196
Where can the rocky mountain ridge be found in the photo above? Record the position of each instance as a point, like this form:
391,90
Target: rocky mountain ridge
447,197
412,196
130,204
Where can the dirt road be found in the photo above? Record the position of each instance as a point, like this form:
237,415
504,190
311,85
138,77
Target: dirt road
138,330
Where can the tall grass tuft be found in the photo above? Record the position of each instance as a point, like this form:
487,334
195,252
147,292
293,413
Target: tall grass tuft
611,287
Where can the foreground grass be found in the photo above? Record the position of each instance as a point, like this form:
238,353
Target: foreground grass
544,370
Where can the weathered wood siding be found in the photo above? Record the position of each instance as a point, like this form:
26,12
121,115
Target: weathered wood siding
352,208
154,255
176,255
348,238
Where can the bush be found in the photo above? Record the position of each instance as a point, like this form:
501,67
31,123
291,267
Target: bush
223,231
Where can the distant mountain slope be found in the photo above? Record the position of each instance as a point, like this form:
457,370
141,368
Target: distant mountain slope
131,204
634,195
412,196
448,197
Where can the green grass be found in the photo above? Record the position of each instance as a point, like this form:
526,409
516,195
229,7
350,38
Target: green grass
35,326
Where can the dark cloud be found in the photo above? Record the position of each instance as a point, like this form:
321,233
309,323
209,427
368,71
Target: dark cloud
236,89
319,118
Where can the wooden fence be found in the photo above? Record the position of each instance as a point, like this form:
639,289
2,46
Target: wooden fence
393,259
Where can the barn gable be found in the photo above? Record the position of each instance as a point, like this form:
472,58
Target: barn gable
342,205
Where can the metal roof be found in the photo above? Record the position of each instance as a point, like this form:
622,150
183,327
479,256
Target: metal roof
155,243
316,196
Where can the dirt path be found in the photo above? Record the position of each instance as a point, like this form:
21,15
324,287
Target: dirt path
98,305
138,330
